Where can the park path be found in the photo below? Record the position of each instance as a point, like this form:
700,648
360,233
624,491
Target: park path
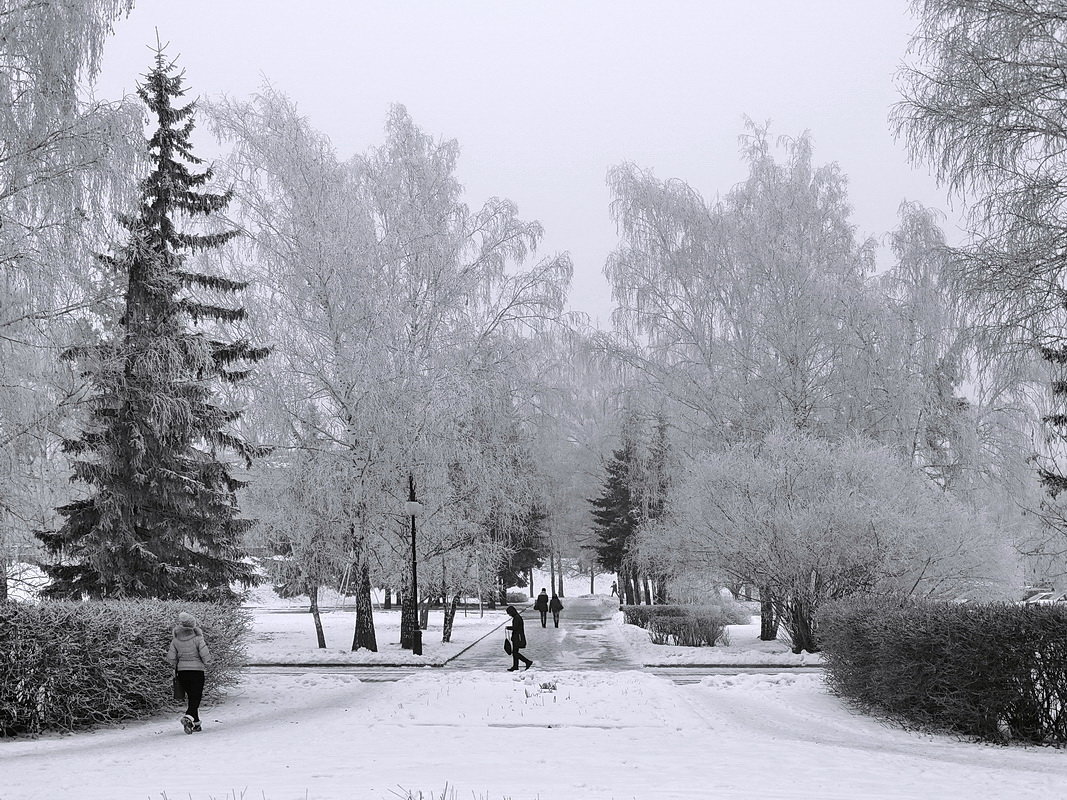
584,640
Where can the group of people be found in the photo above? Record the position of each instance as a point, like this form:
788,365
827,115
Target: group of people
515,639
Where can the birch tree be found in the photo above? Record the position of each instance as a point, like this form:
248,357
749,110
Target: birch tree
64,164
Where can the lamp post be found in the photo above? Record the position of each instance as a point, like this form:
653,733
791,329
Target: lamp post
413,508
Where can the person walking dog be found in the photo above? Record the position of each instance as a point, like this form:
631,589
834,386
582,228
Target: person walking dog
189,655
555,605
517,640
541,605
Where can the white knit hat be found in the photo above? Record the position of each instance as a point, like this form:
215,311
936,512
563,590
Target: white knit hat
186,620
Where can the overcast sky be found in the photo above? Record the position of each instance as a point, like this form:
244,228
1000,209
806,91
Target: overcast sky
544,97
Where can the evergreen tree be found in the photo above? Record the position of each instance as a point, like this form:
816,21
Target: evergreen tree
161,518
526,548
616,514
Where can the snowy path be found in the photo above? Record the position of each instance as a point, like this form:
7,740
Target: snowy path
597,735
585,639
580,724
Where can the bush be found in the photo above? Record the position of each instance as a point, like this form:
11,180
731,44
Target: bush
992,671
686,626
515,596
67,665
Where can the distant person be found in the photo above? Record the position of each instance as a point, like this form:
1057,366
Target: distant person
518,639
555,605
614,589
189,655
541,605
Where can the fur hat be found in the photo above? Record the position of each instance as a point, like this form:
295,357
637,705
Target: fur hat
186,620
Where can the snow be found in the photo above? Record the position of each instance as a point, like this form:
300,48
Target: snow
545,733
289,637
493,735
744,648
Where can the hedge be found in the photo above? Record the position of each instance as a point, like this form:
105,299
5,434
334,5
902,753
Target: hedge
686,625
991,671
68,665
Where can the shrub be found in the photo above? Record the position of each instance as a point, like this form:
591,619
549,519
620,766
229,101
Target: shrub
515,596
686,626
991,671
67,665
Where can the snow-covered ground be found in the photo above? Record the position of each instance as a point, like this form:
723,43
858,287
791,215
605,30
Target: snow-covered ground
550,736
744,648
289,637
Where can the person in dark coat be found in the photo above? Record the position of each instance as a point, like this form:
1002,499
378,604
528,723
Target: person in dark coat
555,605
518,639
541,605
189,655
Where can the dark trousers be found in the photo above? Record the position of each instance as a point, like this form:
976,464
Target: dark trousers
544,618
555,618
516,654
192,681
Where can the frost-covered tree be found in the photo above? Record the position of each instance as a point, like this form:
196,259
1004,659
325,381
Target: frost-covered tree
64,163
161,518
742,312
811,521
984,104
402,317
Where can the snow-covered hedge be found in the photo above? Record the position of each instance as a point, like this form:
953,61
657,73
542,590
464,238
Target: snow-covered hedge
993,671
67,665
684,625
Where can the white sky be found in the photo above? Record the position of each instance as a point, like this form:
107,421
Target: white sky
544,97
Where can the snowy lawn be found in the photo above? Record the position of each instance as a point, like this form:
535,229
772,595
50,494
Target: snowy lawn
544,735
745,648
288,637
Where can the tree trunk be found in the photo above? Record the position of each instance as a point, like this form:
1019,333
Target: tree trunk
801,622
503,590
450,616
551,573
529,581
424,613
661,590
364,636
490,601
648,591
387,602
3,576
559,559
768,630
313,595
636,582
626,588
592,579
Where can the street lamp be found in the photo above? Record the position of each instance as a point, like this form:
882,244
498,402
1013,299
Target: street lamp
413,508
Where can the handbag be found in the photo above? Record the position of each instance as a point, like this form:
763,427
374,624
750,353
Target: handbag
179,690
507,645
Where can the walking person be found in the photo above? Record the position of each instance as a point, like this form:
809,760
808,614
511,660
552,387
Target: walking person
518,639
189,655
541,605
614,589
555,605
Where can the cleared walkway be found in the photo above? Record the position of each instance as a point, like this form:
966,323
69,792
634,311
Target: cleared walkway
584,640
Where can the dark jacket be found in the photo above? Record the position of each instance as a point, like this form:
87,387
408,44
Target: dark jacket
555,604
541,603
518,632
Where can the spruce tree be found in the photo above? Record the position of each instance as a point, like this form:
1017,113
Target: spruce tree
616,514
160,519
